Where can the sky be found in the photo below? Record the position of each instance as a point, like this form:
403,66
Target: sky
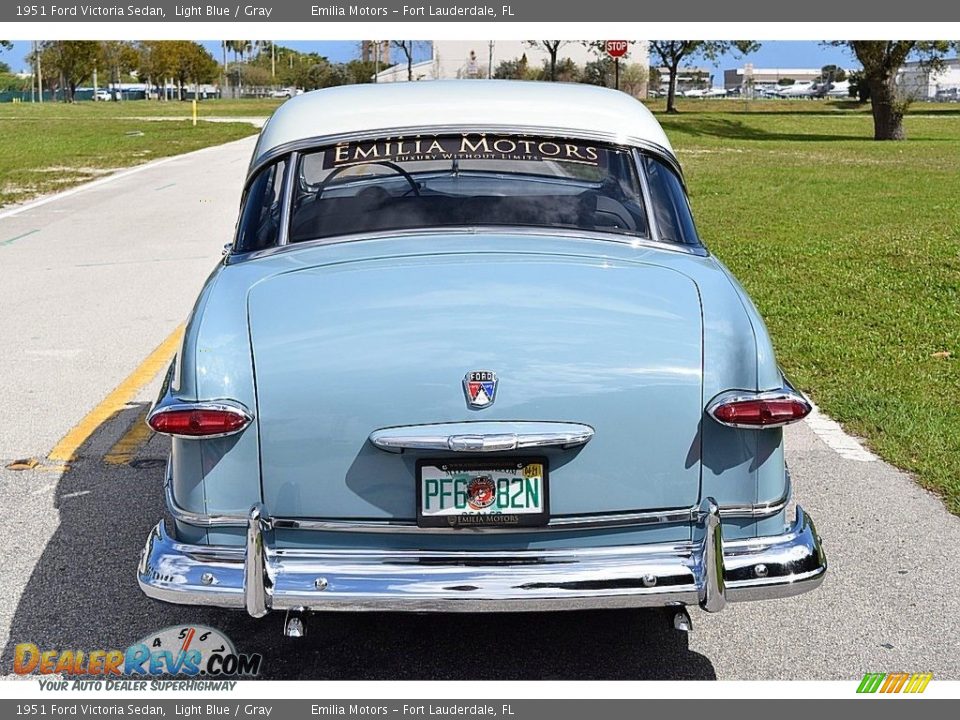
773,54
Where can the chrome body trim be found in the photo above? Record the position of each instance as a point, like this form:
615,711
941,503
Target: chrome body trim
633,241
786,392
167,403
761,509
482,437
286,208
647,197
567,522
705,571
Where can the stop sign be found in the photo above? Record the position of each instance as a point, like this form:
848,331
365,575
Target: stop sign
616,48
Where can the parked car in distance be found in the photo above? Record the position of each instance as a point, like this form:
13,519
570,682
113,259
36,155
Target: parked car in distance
948,95
286,93
102,95
471,354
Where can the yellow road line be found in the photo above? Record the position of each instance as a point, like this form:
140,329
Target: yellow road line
126,448
59,467
66,449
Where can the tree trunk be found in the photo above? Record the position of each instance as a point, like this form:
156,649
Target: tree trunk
672,89
553,66
887,109
409,68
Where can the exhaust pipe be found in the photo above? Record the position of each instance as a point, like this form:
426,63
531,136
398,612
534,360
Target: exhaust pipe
293,626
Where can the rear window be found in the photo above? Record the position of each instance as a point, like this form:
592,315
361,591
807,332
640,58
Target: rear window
438,181
670,207
259,225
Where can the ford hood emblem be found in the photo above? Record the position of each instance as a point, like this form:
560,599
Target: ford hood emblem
480,387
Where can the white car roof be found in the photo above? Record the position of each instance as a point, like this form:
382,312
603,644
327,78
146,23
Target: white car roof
558,107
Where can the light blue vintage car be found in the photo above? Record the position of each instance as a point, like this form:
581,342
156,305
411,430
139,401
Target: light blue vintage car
467,352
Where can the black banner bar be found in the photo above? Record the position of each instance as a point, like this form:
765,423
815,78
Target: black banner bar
447,11
467,709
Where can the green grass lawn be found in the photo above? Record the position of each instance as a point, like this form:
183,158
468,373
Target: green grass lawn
44,154
851,250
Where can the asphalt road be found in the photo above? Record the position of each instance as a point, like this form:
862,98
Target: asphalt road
94,281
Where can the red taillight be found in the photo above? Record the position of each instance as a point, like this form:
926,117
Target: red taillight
760,412
198,421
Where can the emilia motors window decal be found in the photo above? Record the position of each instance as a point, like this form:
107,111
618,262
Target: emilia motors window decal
463,147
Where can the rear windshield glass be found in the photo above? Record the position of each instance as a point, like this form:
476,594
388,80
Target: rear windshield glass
671,210
437,181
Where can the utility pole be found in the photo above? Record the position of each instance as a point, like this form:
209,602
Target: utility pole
273,59
376,60
223,74
39,74
33,72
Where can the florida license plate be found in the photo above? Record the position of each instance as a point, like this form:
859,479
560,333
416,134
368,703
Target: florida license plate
482,493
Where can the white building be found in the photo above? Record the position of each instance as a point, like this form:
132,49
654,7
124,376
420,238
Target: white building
455,59
917,81
750,76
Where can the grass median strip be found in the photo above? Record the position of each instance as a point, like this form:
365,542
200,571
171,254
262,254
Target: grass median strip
851,250
41,154
66,449
247,107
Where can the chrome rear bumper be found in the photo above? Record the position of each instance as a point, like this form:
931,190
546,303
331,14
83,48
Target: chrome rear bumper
706,571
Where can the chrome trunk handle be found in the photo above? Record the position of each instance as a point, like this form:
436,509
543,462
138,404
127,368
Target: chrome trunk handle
482,437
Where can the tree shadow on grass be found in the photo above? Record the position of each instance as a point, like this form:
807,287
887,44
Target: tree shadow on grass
82,594
729,129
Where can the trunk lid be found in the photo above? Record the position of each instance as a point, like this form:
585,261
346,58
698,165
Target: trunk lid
343,350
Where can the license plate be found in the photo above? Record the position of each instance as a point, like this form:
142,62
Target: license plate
482,493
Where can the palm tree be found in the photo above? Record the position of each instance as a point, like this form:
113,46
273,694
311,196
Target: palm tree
238,48
263,46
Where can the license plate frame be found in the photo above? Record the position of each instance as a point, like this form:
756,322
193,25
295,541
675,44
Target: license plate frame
475,519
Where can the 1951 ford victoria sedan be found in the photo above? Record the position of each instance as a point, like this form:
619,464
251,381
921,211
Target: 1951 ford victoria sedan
467,352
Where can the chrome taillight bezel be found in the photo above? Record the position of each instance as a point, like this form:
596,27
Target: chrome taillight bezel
231,407
785,393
